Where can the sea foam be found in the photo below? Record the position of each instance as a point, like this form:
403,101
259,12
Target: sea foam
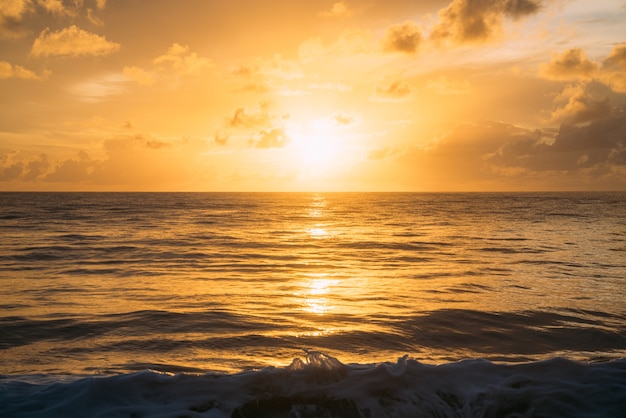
319,385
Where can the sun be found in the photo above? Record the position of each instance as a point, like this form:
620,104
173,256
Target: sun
318,155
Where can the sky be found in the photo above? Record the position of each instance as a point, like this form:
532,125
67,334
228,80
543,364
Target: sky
312,95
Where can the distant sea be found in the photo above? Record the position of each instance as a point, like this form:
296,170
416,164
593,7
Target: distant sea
312,304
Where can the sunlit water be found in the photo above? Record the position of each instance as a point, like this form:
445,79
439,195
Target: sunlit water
117,283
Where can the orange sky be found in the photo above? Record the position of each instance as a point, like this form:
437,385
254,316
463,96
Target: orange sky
283,95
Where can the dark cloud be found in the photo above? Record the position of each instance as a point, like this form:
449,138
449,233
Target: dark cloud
78,170
521,8
492,154
28,169
10,170
405,37
465,21
601,143
36,167
19,17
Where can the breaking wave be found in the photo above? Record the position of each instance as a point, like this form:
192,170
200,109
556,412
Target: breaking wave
319,385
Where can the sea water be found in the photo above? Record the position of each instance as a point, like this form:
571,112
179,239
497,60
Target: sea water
312,304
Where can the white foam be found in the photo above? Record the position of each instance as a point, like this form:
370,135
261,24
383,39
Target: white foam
320,385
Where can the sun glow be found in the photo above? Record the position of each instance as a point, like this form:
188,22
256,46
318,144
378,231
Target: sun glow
318,155
317,152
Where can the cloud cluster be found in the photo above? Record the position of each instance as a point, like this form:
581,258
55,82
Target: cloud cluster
577,106
592,156
72,41
258,124
472,21
14,14
272,138
574,65
598,147
15,167
131,161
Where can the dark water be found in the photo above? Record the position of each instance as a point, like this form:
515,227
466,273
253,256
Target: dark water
101,284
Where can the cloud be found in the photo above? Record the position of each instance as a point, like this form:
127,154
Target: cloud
178,61
467,21
12,13
8,70
17,16
72,41
257,124
140,76
56,7
579,107
443,86
397,91
93,19
334,121
27,169
250,117
598,147
279,68
494,154
613,71
132,161
572,64
339,9
101,88
182,61
220,138
404,37
342,119
273,138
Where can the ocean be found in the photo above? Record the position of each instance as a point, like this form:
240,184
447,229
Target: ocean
312,304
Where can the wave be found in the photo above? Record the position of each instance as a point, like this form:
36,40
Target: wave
319,385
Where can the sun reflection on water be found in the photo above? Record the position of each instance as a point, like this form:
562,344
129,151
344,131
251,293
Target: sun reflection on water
318,232
316,297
